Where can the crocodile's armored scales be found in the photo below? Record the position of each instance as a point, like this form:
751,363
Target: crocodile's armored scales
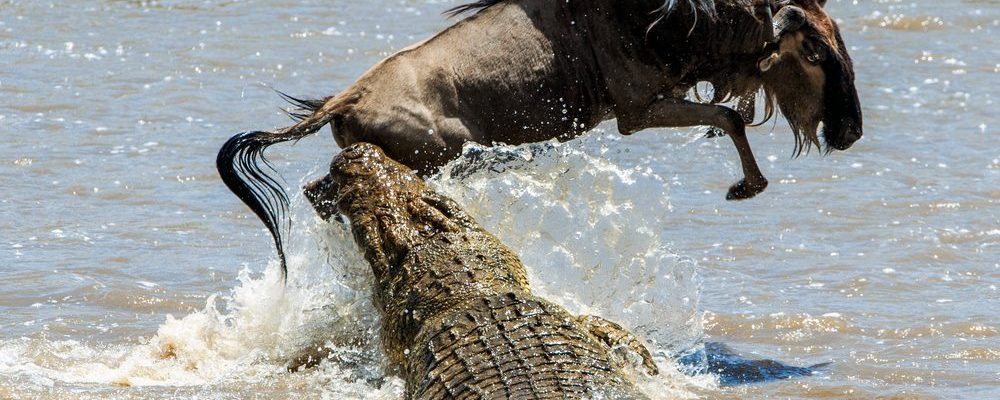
458,317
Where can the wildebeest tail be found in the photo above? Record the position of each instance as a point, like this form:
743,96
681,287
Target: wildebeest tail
243,168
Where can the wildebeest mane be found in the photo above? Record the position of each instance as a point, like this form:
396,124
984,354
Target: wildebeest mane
696,8
729,43
473,7
704,7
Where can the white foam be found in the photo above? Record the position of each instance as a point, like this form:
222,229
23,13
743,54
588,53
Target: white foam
245,337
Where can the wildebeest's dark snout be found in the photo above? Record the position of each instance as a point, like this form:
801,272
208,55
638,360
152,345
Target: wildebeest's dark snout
850,132
842,125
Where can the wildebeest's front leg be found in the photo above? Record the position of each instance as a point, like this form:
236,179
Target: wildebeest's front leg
672,113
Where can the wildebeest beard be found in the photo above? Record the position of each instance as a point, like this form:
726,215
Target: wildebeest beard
730,46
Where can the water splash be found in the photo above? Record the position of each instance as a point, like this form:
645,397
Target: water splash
586,224
246,338
589,230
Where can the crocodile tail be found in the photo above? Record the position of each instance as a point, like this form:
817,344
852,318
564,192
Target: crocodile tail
244,169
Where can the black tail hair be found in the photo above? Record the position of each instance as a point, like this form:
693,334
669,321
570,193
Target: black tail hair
304,107
240,163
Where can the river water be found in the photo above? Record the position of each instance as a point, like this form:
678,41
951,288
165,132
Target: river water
129,271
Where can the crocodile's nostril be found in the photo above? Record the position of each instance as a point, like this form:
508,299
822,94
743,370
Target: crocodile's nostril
352,153
362,150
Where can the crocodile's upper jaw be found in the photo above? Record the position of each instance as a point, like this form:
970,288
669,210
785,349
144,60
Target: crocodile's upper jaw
385,201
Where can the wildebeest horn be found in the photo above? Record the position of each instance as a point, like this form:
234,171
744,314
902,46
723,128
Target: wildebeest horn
788,19
762,11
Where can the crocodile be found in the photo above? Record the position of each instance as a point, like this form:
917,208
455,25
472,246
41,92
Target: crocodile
458,316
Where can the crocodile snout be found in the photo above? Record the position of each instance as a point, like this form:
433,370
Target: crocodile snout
362,160
362,150
358,176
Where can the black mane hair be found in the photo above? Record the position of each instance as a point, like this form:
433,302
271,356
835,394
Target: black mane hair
473,7
706,7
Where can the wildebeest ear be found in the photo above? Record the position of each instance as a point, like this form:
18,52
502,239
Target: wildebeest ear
766,64
822,3
788,19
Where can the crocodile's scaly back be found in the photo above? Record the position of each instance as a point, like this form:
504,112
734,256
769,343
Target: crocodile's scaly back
458,317
513,346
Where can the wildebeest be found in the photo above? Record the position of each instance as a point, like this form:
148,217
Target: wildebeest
519,71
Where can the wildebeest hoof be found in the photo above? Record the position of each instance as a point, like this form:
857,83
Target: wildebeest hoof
714,132
743,190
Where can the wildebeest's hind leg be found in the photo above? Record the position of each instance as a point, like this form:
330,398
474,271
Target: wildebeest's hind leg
672,113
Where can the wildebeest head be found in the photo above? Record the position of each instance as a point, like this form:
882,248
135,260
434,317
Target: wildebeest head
810,75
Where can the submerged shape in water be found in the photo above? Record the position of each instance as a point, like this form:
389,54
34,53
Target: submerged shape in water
734,369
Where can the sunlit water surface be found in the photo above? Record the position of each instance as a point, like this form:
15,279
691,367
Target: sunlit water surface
130,271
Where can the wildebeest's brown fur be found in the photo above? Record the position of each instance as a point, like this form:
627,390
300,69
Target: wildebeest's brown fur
521,71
